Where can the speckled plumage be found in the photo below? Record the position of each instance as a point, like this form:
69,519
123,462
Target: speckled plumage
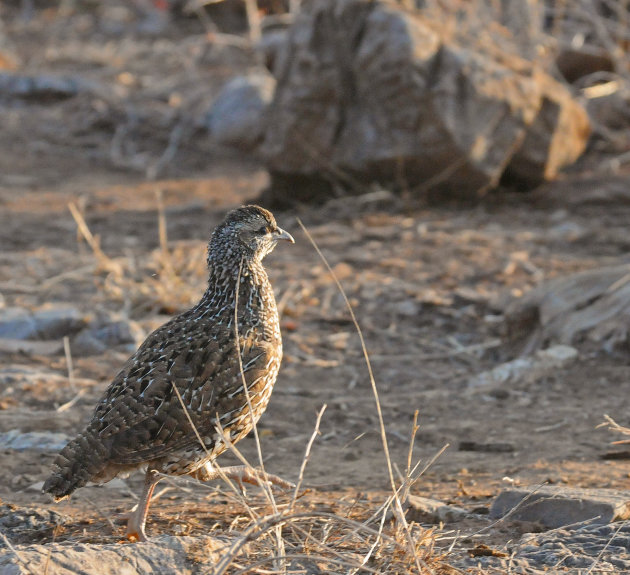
140,421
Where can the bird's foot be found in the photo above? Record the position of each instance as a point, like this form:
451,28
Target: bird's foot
135,529
137,517
135,525
135,535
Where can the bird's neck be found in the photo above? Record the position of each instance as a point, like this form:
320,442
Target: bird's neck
256,301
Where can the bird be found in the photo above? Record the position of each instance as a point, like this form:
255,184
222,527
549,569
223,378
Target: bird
196,384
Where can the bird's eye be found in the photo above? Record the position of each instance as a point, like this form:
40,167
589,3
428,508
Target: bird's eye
265,230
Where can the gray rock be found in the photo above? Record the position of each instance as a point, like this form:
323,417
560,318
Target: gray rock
237,117
31,347
554,506
44,441
26,524
44,87
49,322
525,369
600,548
57,321
106,332
118,332
16,323
372,90
605,548
84,343
163,555
549,144
426,510
592,305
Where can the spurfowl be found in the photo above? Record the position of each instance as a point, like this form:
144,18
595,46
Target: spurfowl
140,421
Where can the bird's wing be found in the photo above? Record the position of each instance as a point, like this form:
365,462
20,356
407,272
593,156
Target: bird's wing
144,381
142,418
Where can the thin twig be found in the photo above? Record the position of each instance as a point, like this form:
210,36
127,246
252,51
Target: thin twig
69,365
398,505
310,557
256,530
86,233
19,557
65,406
305,459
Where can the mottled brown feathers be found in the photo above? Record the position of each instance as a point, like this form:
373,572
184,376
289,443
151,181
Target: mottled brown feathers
140,420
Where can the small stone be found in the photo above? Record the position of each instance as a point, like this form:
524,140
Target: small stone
30,347
528,368
21,525
236,117
44,87
16,323
47,323
426,510
57,321
106,332
408,308
555,506
20,441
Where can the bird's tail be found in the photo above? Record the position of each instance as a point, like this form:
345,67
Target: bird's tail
77,463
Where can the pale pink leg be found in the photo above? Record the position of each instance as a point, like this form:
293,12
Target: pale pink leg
138,518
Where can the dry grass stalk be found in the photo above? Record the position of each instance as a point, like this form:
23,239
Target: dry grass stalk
400,514
15,552
123,281
77,393
305,459
389,558
253,20
167,265
104,261
611,424
69,365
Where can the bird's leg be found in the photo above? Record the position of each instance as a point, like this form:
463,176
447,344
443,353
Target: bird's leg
241,474
138,518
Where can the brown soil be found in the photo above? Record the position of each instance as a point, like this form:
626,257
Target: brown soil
428,285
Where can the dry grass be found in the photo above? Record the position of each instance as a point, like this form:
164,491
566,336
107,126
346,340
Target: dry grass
612,425
164,282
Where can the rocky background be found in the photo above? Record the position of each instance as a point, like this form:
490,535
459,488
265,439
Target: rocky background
463,167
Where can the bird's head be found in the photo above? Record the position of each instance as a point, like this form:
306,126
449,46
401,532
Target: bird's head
248,231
